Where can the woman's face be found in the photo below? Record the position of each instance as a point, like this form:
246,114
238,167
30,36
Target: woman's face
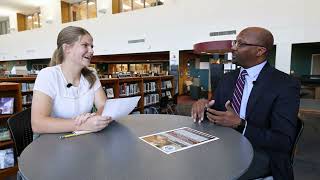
81,51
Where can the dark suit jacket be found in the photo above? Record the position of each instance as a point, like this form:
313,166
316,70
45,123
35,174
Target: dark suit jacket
271,115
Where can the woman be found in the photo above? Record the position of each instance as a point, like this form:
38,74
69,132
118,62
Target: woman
65,92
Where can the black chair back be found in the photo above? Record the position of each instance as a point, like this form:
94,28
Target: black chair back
300,125
21,131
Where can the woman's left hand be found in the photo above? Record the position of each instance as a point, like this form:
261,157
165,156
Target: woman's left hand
83,118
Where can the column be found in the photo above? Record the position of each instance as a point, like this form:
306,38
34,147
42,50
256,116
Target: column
174,68
50,13
104,7
283,57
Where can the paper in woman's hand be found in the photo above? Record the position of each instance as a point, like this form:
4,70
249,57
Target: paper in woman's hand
120,107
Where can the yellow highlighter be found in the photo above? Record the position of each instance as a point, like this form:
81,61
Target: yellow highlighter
68,135
76,133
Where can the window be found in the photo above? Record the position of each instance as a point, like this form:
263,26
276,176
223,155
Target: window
33,21
129,5
78,10
4,26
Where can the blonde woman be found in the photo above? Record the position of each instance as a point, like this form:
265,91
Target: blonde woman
65,92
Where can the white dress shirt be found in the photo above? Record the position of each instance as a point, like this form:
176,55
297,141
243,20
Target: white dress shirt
252,76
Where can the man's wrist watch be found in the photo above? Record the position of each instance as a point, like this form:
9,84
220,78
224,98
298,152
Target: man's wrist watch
241,126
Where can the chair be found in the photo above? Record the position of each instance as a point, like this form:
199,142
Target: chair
300,126
21,131
166,106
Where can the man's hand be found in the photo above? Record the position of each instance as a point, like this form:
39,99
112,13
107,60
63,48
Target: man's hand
197,111
227,118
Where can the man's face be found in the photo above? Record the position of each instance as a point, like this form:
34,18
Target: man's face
244,49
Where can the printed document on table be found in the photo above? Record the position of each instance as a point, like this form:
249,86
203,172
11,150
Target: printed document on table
117,108
178,139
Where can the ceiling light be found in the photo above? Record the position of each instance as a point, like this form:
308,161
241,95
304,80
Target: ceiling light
91,3
29,17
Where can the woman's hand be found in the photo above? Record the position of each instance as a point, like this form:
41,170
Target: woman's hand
83,118
95,123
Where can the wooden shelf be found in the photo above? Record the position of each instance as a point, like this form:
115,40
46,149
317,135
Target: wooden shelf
151,92
8,172
5,116
26,104
6,144
19,79
155,104
125,96
26,92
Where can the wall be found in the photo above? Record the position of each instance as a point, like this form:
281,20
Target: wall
177,25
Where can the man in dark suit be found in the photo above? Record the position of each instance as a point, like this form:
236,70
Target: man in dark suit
260,102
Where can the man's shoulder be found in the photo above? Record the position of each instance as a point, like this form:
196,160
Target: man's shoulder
283,78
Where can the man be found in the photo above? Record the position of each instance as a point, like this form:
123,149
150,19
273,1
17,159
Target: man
258,101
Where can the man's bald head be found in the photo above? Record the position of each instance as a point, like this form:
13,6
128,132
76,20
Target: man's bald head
259,36
252,46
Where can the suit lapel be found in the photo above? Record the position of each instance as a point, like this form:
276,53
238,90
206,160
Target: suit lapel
230,90
258,88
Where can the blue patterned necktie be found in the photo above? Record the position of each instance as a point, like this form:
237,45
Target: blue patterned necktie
238,91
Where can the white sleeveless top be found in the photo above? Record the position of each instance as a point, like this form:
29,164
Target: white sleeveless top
67,102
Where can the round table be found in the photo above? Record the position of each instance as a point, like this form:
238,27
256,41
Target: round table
117,153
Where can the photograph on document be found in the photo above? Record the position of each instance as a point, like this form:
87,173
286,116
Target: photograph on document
177,139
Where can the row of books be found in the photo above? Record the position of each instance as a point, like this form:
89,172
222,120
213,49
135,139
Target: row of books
166,93
151,99
127,89
150,87
27,99
166,84
27,86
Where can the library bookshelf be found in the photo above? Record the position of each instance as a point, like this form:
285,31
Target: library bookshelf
26,86
150,88
9,89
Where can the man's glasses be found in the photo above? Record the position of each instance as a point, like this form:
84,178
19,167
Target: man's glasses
238,44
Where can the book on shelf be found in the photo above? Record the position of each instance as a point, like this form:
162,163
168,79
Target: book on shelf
4,134
27,99
168,93
151,99
6,158
6,105
166,84
149,87
129,89
110,93
27,87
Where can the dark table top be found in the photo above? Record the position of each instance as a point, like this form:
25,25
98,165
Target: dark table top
117,153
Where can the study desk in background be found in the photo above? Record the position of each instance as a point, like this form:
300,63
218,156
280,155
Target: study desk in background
117,153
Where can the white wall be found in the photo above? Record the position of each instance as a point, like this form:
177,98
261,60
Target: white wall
177,25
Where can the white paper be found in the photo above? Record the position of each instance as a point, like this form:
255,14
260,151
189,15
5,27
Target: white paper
120,107
117,108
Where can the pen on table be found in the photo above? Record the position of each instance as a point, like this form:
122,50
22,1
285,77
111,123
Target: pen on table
68,135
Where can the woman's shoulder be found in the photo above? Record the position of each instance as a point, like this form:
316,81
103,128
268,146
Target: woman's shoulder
49,70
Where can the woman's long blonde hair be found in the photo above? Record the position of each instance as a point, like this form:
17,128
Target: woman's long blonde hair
70,35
